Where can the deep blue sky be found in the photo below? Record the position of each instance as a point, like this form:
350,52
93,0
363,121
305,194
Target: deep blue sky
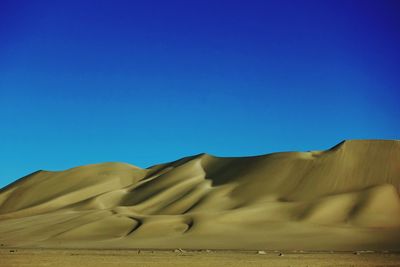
146,82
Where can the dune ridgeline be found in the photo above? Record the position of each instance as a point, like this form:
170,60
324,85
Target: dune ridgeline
344,198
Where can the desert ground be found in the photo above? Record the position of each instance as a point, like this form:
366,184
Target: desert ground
159,258
345,198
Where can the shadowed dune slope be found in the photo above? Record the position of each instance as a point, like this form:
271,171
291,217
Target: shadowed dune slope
344,198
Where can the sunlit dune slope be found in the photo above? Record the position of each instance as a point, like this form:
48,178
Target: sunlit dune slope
344,198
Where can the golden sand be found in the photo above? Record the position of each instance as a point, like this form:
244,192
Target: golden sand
343,199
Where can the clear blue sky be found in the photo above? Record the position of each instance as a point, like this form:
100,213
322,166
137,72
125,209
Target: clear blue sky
146,82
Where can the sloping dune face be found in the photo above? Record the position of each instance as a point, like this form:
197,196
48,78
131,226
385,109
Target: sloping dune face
344,198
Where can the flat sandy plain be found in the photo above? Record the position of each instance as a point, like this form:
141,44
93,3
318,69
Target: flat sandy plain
166,258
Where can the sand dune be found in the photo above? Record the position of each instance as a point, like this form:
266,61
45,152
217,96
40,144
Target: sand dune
344,198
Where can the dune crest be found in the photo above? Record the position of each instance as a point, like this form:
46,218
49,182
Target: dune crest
344,198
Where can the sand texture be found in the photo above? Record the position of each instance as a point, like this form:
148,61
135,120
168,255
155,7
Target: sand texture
344,198
135,258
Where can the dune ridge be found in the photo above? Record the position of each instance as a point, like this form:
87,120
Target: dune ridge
343,198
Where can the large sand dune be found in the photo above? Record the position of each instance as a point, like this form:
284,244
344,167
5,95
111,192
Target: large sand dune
344,198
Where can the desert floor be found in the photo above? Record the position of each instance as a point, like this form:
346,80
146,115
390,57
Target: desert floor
131,258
